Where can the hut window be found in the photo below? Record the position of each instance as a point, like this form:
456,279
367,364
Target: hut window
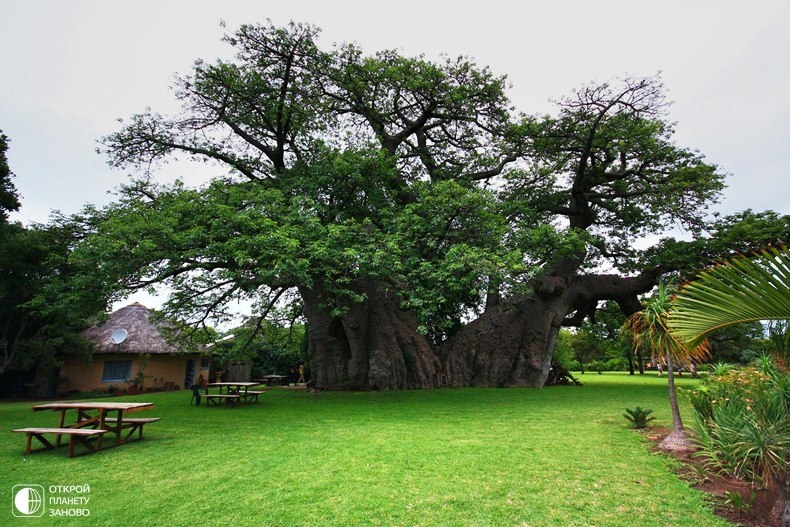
204,364
117,370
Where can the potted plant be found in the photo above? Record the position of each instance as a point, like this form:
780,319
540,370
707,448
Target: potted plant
136,384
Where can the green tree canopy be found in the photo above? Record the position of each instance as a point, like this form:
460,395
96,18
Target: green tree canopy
393,199
45,298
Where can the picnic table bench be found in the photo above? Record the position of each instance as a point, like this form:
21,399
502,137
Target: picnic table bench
217,398
76,435
236,393
134,423
92,423
251,395
273,380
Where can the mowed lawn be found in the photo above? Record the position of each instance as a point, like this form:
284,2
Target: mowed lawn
560,456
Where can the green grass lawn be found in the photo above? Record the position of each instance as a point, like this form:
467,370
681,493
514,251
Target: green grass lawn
559,456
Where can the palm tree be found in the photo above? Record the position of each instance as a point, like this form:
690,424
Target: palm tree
743,289
650,330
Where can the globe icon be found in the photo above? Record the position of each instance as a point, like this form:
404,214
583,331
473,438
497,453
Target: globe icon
29,501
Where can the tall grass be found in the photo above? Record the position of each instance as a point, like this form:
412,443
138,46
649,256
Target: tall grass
560,456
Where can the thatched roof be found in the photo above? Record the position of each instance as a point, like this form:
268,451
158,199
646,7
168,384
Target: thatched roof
142,335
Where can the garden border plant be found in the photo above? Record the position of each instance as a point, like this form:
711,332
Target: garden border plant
742,424
639,417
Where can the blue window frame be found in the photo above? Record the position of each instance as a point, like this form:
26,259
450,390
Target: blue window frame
117,371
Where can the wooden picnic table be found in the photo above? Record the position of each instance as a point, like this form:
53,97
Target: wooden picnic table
94,419
235,392
273,380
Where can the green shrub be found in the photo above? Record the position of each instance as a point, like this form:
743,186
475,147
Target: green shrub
638,417
738,502
616,364
742,422
721,368
573,365
596,365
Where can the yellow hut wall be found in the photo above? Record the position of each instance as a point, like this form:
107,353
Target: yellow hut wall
161,371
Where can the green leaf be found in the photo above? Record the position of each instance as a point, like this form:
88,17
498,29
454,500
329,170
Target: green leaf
743,289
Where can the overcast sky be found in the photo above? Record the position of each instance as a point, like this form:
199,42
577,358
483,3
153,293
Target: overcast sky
71,68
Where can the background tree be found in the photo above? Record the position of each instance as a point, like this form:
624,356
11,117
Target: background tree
739,343
280,350
723,237
588,351
599,343
276,347
565,354
45,297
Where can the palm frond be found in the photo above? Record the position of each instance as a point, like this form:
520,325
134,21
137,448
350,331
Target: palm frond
651,331
743,289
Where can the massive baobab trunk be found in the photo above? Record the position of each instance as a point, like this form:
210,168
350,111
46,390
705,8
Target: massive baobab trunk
375,344
509,345
513,343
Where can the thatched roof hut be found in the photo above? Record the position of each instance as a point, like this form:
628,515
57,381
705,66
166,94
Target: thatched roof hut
141,334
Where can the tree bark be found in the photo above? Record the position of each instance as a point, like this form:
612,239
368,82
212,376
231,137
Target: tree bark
677,440
373,345
376,345
512,344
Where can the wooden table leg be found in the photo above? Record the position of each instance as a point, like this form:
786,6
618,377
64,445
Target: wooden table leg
119,424
60,425
100,440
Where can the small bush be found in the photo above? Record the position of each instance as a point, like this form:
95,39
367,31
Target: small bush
638,417
597,365
573,365
737,502
742,422
616,364
721,368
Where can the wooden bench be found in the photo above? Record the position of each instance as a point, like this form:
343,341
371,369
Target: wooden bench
252,395
81,435
134,423
228,398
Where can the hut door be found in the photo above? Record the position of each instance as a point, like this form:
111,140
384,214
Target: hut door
189,375
240,371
